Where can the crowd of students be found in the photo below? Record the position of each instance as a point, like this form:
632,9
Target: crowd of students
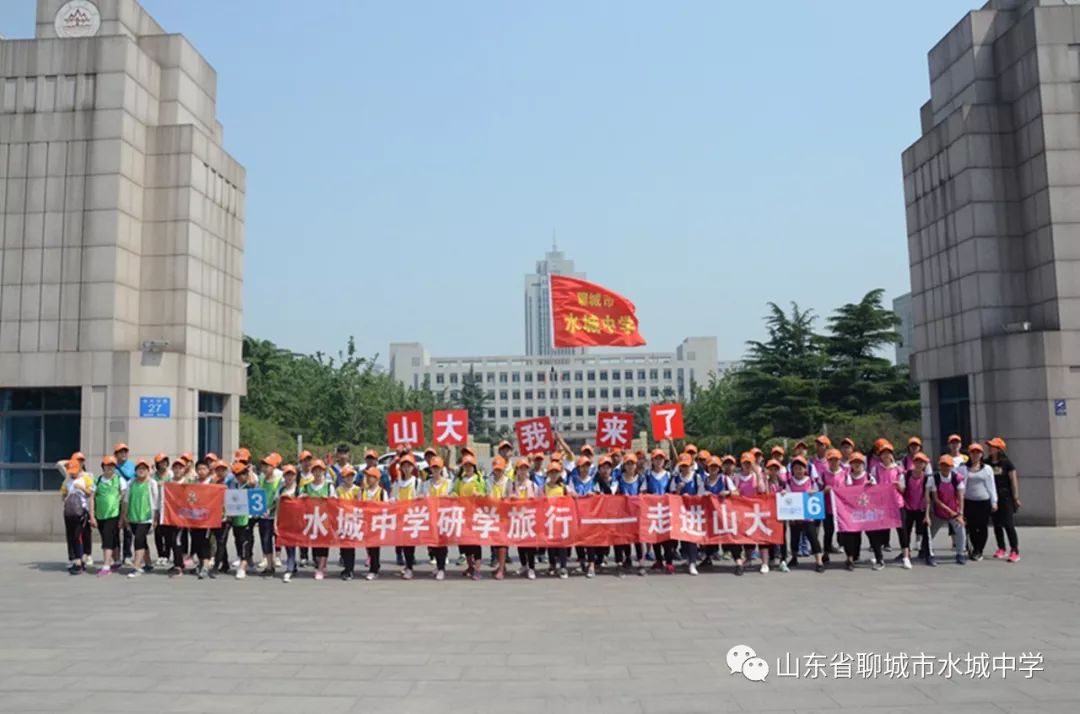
963,492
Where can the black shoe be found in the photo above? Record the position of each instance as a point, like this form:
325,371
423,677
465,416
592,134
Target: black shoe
819,568
74,569
344,574
174,571
148,568
825,557
707,563
793,563
738,570
210,574
931,562
850,565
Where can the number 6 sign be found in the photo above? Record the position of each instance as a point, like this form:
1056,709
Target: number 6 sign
667,421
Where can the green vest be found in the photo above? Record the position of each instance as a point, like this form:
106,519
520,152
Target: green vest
317,492
139,508
107,497
241,520
270,488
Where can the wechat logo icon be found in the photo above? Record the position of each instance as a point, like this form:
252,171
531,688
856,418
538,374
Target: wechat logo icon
742,659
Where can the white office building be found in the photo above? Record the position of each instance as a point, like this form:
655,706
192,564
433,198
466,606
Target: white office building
570,389
538,337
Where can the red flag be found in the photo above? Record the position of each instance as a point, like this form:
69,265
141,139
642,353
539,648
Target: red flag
584,314
614,430
193,505
404,429
535,435
450,427
667,422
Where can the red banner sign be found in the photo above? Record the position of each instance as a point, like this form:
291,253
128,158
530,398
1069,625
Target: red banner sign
450,427
667,422
614,430
193,505
586,314
535,435
539,522
404,429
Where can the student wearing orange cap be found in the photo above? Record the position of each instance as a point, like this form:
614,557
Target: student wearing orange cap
470,483
980,499
269,481
582,480
774,484
318,487
109,489
819,461
555,486
603,485
76,493
140,509
687,482
954,443
290,488
629,483
438,485
498,487
859,476
1008,492
945,505
162,475
347,490
523,487
201,538
304,460
717,482
799,481
406,488
220,474
242,527
658,483
834,475
914,511
887,470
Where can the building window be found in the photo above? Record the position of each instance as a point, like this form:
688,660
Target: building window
490,413
528,376
592,394
654,391
603,375
528,395
566,394
617,408
504,395
579,393
578,376
566,411
502,378
38,427
541,377
592,411
516,394
528,412
440,378
565,377
211,422
616,392
641,392
654,374
541,394
516,411
580,426
453,380
641,375
504,413
603,393
515,377
592,375
667,374
579,411
490,377
615,375
455,395
490,394
542,411
628,375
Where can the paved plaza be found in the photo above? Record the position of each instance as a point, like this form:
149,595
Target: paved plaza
654,644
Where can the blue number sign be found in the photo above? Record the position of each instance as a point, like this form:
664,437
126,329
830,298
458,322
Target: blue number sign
155,407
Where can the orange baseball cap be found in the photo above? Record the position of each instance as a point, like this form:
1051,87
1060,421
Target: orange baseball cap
408,458
954,437
686,460
833,454
219,464
975,447
885,445
238,467
716,461
823,440
658,454
161,456
777,449
997,442
521,464
923,457
583,460
142,462
108,461
703,454
435,462
691,448
774,464
371,454
857,456
120,446
914,440
800,444
468,459
318,464
945,460
747,458
756,451
212,457
372,472
242,454
587,448
467,450
630,458
186,456
605,460
78,456
179,460
348,471
726,458
554,466
799,460
272,459
429,452
305,454
498,463
504,443
288,469
847,440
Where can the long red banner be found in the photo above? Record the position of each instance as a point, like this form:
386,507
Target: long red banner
540,522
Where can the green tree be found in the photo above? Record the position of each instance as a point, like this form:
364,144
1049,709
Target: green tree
475,400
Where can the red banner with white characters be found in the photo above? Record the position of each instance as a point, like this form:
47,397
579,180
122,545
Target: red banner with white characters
193,505
536,522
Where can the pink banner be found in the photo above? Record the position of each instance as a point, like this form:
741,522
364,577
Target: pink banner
865,508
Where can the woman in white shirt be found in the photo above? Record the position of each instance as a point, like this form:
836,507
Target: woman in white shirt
980,499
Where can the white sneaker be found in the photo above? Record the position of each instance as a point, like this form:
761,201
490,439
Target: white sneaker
590,572
286,578
764,567
693,569
241,574
784,567
440,575
261,565
407,574
906,564
87,560
235,563
135,573
371,576
531,574
126,561
563,575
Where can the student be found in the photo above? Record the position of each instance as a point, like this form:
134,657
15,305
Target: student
914,513
139,509
582,480
373,491
746,483
201,538
554,487
126,470
945,505
318,487
109,489
469,484
888,471
269,481
341,460
954,443
833,475
522,487
800,482
980,499
290,488
242,527
498,487
859,476
819,463
438,485
717,482
407,488
658,483
537,472
774,484
914,448
181,472
77,495
347,490
304,460
603,485
687,482
220,475
778,454
162,543
629,483
847,448
1008,495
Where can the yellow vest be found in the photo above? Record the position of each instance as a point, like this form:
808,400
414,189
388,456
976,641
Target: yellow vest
550,490
440,489
349,493
407,493
500,489
375,494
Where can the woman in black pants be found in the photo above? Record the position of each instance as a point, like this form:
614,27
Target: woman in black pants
1008,492
980,500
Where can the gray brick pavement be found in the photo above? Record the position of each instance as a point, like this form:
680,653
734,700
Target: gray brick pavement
654,644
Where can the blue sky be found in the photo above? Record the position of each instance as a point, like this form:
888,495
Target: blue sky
407,162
